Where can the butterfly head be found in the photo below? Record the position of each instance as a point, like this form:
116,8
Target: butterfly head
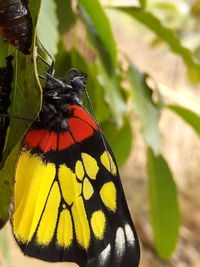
77,80
58,94
71,87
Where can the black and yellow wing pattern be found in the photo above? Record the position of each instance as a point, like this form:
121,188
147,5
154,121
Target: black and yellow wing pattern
69,202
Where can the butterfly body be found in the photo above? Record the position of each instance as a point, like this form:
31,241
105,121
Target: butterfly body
69,201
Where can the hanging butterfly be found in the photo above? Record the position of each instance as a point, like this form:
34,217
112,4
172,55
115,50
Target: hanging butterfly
16,24
6,76
69,203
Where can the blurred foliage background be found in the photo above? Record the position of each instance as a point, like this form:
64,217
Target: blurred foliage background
142,59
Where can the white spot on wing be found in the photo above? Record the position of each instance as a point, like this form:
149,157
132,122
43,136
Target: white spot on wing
103,256
120,242
129,235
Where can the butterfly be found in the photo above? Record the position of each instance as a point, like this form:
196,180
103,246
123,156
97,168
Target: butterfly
6,76
16,24
69,204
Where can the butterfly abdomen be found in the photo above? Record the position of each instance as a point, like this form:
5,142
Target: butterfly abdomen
16,24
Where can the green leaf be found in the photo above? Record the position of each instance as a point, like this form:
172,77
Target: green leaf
25,101
47,30
6,185
143,3
65,16
34,6
145,108
164,208
96,94
166,34
101,35
188,116
65,60
120,140
3,51
26,91
62,61
167,7
100,32
113,94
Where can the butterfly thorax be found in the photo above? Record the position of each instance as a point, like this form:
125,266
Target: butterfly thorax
58,95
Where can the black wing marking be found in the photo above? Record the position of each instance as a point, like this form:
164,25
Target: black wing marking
115,242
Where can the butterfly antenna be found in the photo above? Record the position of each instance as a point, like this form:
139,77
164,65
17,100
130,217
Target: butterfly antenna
41,67
51,66
43,60
39,63
50,75
101,133
56,80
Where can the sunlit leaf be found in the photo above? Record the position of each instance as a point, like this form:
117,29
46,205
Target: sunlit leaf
154,24
166,6
143,3
47,29
96,94
145,108
65,15
101,35
188,116
6,184
113,94
164,208
100,32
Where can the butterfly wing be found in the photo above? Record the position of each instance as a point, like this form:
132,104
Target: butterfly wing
71,206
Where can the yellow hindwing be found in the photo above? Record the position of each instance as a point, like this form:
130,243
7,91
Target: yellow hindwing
50,202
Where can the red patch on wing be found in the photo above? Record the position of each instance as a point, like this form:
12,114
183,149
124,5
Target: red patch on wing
79,129
39,138
81,126
83,115
47,140
65,140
